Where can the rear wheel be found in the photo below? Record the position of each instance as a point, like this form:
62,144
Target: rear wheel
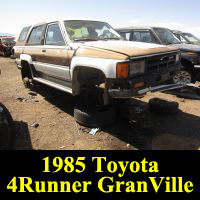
27,83
26,75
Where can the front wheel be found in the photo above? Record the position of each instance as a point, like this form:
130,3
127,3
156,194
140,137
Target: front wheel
185,76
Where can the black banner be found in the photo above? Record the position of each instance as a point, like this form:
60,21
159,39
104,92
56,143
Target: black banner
101,174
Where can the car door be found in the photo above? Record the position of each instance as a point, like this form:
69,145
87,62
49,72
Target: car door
34,44
54,58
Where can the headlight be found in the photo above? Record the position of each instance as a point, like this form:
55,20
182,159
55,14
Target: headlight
137,67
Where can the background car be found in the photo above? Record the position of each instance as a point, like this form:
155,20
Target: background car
6,45
186,38
190,54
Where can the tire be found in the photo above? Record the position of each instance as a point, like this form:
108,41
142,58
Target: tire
7,130
27,83
163,107
94,118
185,76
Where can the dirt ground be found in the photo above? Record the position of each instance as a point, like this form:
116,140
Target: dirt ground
44,120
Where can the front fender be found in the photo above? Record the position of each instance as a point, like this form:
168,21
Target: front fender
107,66
27,58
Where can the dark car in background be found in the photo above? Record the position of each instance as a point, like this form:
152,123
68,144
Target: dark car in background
6,45
190,54
186,38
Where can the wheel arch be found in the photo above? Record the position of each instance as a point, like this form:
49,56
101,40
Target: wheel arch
187,64
26,62
25,69
105,68
84,76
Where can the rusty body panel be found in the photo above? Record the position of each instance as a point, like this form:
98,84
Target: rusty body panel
126,49
114,53
49,55
99,53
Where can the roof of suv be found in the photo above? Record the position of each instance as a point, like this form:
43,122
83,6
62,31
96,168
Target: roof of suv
65,19
139,28
176,31
134,28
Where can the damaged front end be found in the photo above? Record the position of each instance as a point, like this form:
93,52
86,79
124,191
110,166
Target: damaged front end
146,74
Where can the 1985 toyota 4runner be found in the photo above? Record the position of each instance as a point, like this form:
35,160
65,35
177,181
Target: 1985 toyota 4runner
77,56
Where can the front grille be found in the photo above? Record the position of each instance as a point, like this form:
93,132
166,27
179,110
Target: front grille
160,62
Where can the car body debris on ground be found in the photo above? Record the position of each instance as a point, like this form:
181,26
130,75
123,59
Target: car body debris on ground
136,127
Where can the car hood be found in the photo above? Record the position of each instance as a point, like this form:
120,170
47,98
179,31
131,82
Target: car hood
188,47
126,48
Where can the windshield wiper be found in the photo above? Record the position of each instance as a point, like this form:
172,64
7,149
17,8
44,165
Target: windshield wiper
85,39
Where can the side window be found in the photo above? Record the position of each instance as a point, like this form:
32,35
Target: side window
136,36
54,36
23,34
143,36
36,35
126,35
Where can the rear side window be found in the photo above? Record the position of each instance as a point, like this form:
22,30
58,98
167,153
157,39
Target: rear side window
36,35
126,35
143,36
24,34
54,36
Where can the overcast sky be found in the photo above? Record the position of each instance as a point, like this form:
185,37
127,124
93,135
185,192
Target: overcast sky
180,14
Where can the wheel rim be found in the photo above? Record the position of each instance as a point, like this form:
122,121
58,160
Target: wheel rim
183,77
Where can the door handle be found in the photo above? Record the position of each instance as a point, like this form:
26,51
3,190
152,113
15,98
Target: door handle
44,50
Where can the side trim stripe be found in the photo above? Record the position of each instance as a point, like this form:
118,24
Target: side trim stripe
54,85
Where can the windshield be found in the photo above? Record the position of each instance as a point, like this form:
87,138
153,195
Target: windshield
181,38
90,31
166,36
191,37
10,40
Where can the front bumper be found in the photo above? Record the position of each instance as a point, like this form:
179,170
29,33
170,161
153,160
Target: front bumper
152,82
130,93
